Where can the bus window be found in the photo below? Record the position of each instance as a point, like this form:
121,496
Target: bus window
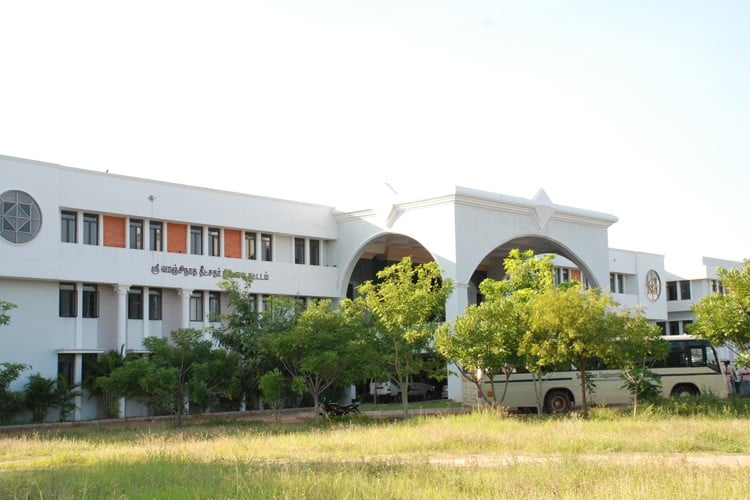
697,356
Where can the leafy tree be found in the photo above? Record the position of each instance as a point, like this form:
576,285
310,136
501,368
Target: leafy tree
242,329
323,347
725,319
273,386
11,402
95,381
4,308
65,397
483,342
39,396
175,367
576,326
407,303
638,343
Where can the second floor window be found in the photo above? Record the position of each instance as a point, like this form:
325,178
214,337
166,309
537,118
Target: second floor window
68,228
616,283
250,250
155,238
196,240
214,241
299,250
314,252
136,234
90,229
265,247
90,301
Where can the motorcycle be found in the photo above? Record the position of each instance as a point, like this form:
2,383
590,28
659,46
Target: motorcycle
333,409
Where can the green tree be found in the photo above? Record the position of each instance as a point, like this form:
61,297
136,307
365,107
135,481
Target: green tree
725,319
407,303
484,342
577,326
11,402
273,387
175,367
39,396
96,380
5,307
65,397
323,346
242,329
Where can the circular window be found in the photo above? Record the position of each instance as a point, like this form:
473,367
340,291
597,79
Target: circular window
653,285
21,217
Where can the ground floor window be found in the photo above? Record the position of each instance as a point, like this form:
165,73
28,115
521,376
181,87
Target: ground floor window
90,301
214,306
68,300
154,304
66,367
135,303
196,306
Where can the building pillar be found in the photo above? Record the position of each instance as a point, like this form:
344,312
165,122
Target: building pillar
146,313
122,331
185,294
454,307
77,379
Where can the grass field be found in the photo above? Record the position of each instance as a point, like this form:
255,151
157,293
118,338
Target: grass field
677,450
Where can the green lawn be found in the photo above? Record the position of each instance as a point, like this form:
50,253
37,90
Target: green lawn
677,450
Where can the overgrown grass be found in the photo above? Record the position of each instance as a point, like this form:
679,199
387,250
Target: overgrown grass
485,454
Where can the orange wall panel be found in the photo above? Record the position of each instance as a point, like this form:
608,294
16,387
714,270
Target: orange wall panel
177,238
232,243
114,231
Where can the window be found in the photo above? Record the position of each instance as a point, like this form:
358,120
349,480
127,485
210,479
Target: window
135,303
314,252
90,229
66,367
616,283
136,234
684,290
250,245
155,236
674,327
68,300
154,304
214,241
562,274
196,306
20,217
717,287
299,250
196,240
265,247
671,290
90,301
662,326
68,227
214,306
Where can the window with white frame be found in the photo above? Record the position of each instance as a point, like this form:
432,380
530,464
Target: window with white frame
90,301
314,252
299,250
196,240
617,283
155,235
68,227
265,247
90,229
214,241
154,304
136,234
250,245
135,303
68,300
214,306
196,306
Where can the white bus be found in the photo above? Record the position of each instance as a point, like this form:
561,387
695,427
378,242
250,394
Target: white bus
691,368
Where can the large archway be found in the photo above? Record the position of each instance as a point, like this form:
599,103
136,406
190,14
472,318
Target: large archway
378,253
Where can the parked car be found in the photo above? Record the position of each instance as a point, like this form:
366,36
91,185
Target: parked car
387,391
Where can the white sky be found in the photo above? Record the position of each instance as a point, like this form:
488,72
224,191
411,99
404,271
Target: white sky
635,108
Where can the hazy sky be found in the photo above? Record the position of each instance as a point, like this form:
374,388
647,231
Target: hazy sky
634,108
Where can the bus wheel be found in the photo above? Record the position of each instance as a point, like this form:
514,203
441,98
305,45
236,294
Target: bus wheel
557,402
684,391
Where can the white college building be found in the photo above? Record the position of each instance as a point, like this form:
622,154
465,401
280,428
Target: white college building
97,261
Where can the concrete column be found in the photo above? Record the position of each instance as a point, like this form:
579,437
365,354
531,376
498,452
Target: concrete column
77,378
184,294
454,307
122,331
79,317
146,313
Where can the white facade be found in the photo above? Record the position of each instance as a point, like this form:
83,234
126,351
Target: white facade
315,251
